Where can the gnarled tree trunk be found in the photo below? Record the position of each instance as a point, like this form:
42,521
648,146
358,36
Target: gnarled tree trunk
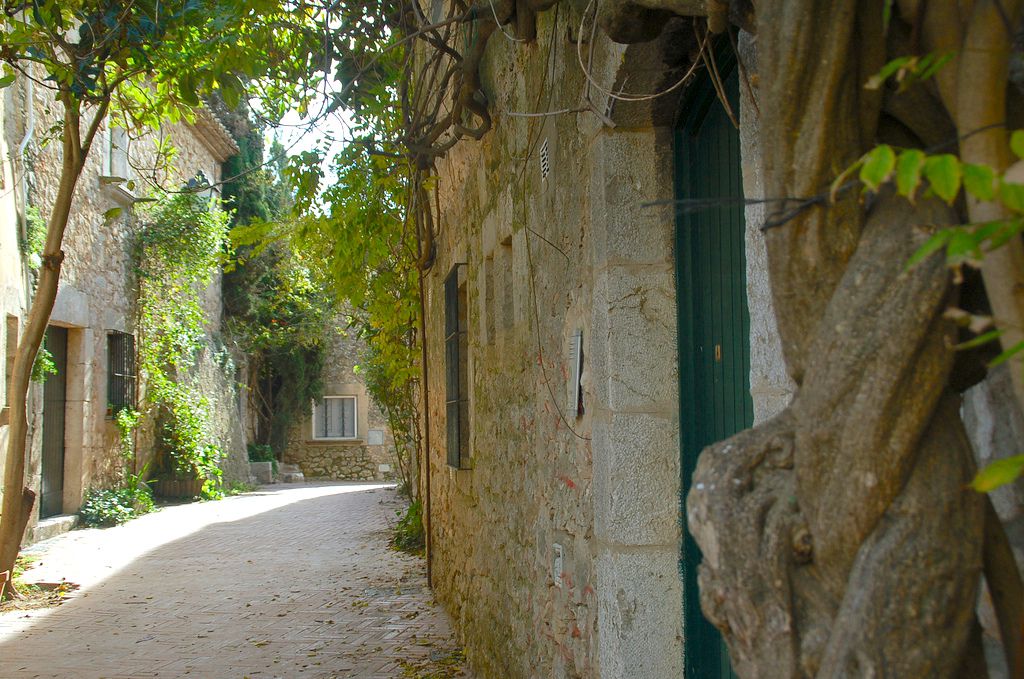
840,538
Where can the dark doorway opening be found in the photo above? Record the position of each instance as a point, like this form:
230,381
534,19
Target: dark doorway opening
51,498
713,321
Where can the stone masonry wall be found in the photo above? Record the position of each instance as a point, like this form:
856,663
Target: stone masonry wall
96,295
353,460
587,247
547,256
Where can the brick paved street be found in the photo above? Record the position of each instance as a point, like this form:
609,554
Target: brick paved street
290,581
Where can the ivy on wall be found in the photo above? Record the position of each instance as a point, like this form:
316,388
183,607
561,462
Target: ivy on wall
276,311
179,248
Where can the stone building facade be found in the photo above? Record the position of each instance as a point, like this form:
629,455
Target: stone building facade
556,530
95,301
359,449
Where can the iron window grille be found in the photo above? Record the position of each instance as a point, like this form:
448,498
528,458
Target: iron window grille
121,379
334,418
456,368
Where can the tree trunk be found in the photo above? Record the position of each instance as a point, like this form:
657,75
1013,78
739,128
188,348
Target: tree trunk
12,518
840,539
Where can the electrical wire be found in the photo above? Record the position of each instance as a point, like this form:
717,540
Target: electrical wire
502,28
621,96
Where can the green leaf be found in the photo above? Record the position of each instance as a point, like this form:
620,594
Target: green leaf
1017,143
6,81
231,89
887,71
187,90
1004,231
1006,355
935,62
1012,195
979,181
963,245
943,173
933,244
908,172
879,164
999,473
983,338
113,213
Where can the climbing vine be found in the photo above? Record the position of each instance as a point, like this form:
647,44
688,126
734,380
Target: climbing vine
178,250
358,234
276,311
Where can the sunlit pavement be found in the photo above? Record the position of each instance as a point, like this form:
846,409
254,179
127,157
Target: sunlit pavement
290,581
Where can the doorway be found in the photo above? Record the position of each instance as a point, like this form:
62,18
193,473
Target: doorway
51,497
713,320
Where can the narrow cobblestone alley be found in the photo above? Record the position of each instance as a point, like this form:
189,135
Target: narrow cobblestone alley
289,581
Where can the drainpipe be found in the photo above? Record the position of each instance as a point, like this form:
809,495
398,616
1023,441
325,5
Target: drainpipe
426,436
30,129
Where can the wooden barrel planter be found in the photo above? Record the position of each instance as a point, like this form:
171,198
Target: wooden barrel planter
177,488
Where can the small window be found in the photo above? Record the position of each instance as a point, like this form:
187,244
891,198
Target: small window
120,372
119,153
334,417
456,368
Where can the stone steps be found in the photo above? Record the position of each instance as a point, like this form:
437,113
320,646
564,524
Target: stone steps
51,527
290,473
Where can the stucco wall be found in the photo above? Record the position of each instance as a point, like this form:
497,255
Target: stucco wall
354,459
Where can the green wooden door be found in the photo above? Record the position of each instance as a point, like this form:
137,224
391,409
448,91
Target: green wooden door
714,324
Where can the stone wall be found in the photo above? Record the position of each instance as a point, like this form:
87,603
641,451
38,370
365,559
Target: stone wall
589,247
96,293
547,256
355,459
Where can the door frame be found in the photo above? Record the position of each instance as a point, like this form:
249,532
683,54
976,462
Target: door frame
60,470
698,634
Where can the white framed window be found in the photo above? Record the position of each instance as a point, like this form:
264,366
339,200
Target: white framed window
115,154
334,418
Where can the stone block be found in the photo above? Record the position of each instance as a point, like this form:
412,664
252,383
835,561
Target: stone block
636,479
489,234
995,426
629,170
51,527
635,365
71,306
640,612
263,472
520,277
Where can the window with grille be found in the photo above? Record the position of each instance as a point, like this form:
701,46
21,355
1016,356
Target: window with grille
120,372
334,417
456,368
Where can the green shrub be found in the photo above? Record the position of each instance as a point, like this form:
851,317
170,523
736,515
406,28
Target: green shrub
239,487
110,507
43,366
263,453
408,534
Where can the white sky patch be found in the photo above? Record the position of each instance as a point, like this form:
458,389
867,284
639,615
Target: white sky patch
319,131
